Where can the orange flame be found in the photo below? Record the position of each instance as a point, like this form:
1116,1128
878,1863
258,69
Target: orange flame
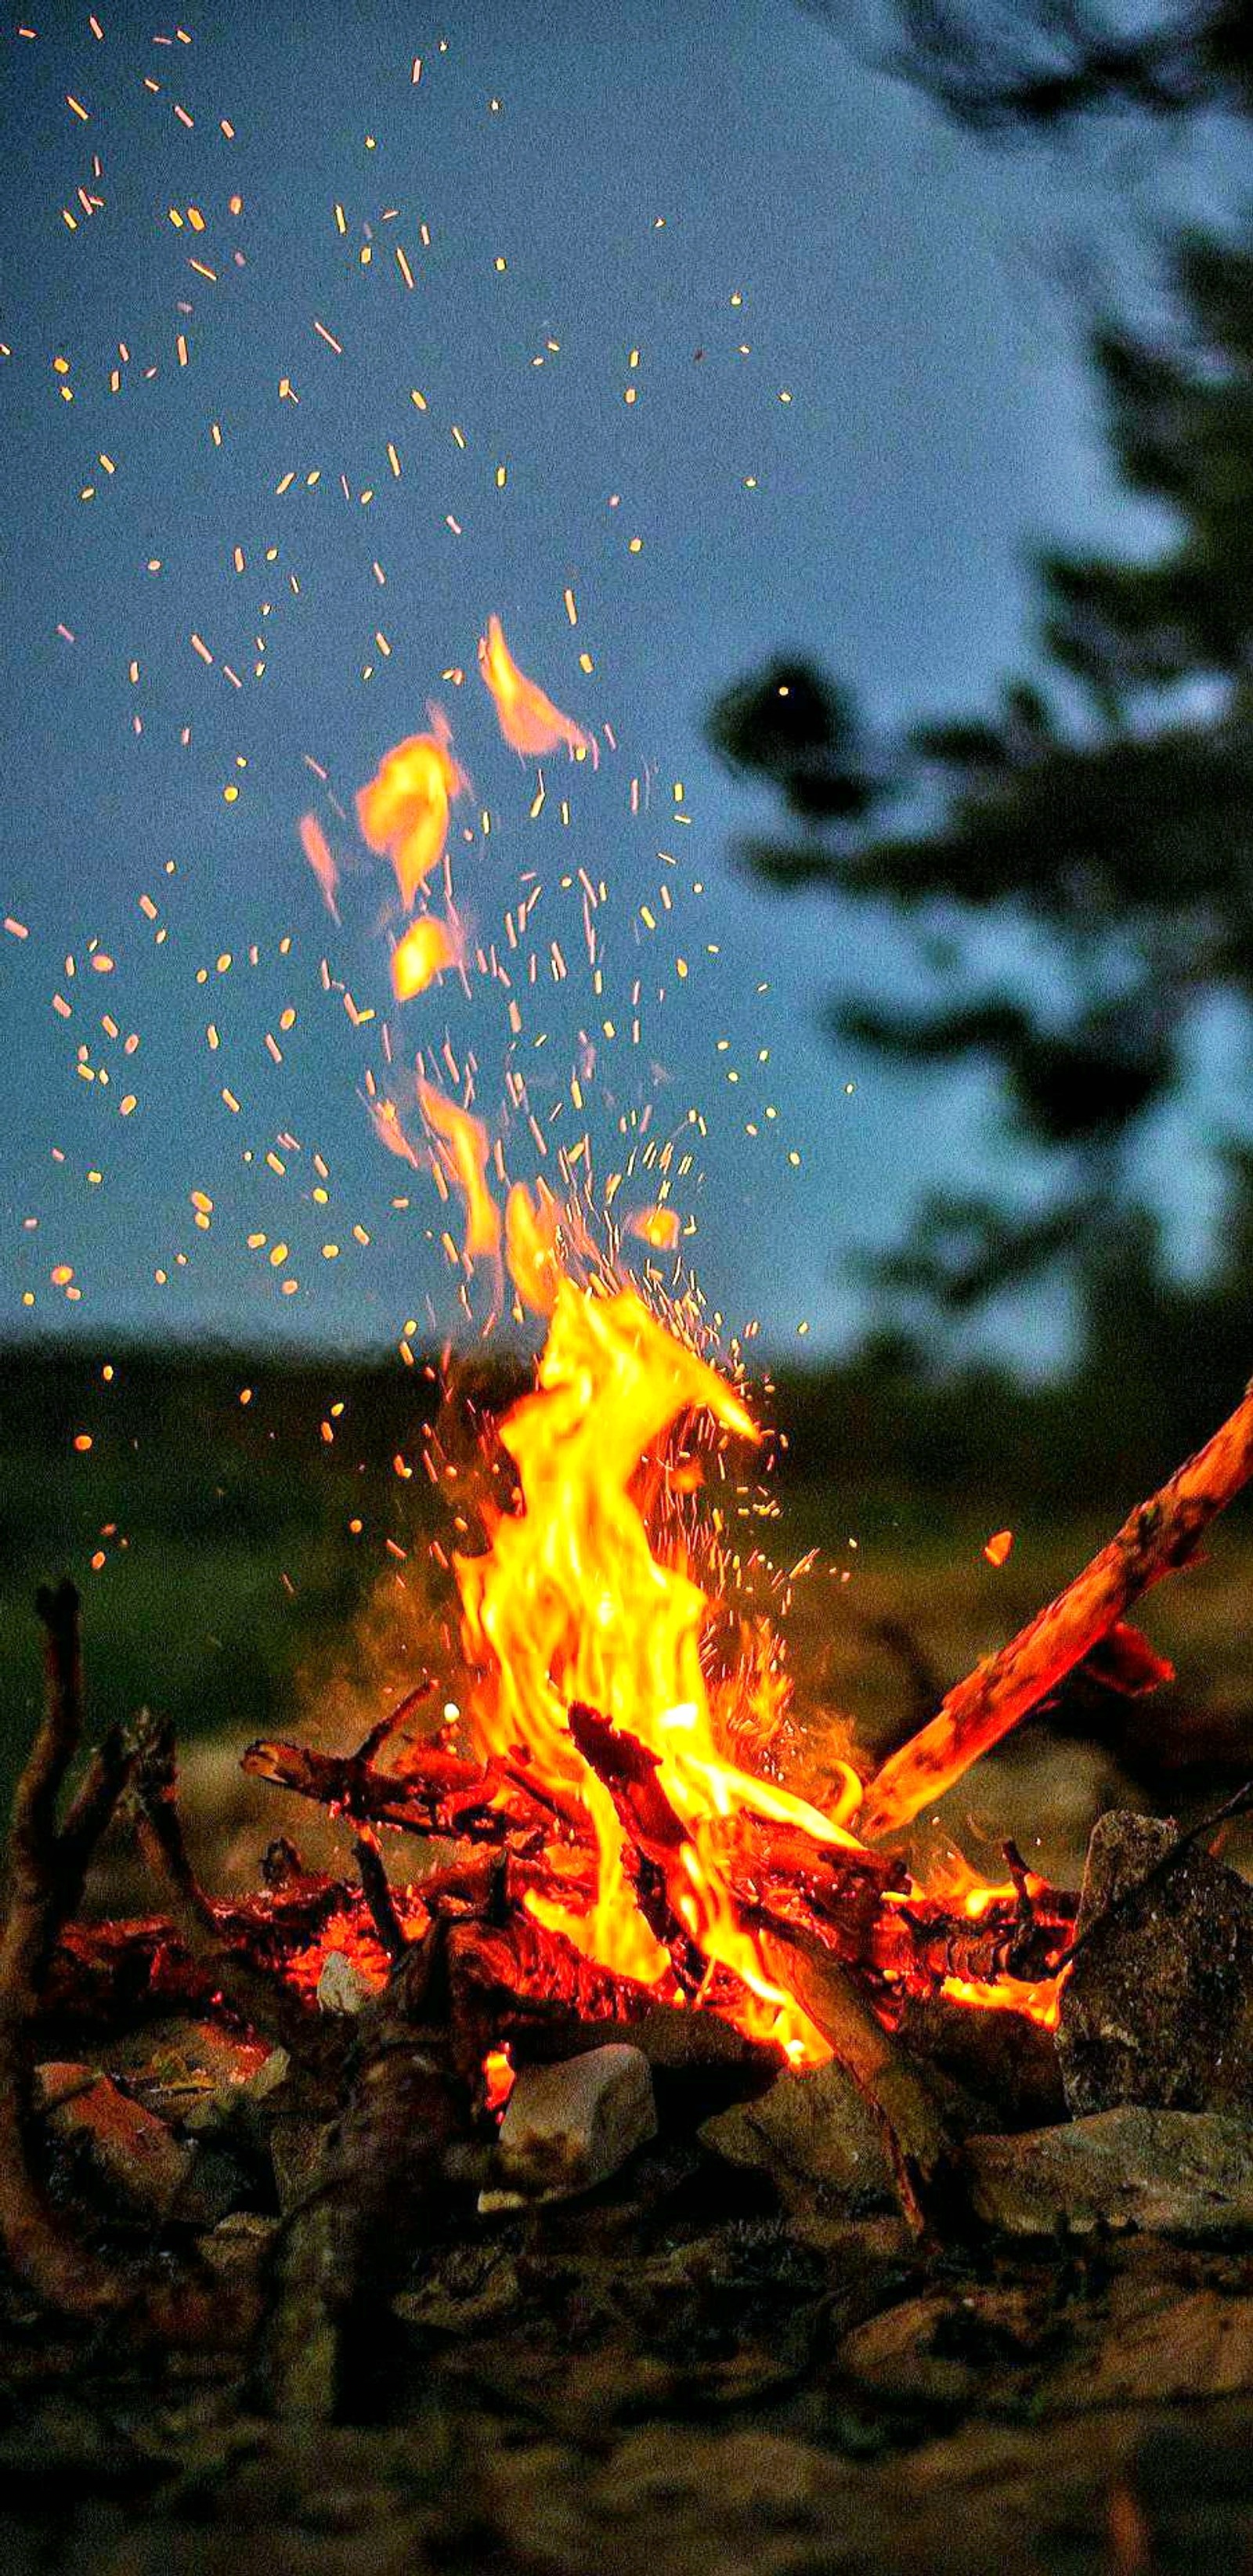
386,1121
531,1245
427,949
317,850
463,1150
403,810
528,720
1040,2003
499,2075
656,1226
570,1603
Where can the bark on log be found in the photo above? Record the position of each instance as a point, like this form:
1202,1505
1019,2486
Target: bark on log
338,2256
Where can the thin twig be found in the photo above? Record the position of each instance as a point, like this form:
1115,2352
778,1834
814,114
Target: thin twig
261,1999
377,1891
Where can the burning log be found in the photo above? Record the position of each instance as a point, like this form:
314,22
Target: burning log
779,1876
520,1984
1161,1535
656,1836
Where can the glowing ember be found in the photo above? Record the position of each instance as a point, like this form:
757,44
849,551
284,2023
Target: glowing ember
528,720
498,2079
1040,2003
656,1226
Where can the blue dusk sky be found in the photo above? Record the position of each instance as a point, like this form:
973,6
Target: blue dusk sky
724,342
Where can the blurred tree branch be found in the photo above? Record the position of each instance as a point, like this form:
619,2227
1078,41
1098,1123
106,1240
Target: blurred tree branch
1018,68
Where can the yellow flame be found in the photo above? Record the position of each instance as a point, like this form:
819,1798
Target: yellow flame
1041,2002
403,810
569,1602
528,720
389,1130
427,949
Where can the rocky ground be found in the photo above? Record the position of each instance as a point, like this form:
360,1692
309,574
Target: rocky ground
675,2376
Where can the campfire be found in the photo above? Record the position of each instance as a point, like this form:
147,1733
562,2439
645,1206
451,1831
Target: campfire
612,1889
586,1890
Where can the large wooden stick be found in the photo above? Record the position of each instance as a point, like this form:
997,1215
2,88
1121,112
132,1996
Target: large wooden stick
1160,1535
46,1879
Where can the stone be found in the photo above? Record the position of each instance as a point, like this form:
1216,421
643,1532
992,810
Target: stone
237,2246
812,2134
1002,2065
1161,2346
245,2102
1155,2009
126,2147
939,2348
569,2126
341,1986
1187,2174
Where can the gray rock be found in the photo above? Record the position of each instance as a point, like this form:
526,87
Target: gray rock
236,2247
173,2066
474,2289
569,2126
812,2134
1187,2174
1155,2009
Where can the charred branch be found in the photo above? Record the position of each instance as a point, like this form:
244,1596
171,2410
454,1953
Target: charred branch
436,1793
262,2000
912,2128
